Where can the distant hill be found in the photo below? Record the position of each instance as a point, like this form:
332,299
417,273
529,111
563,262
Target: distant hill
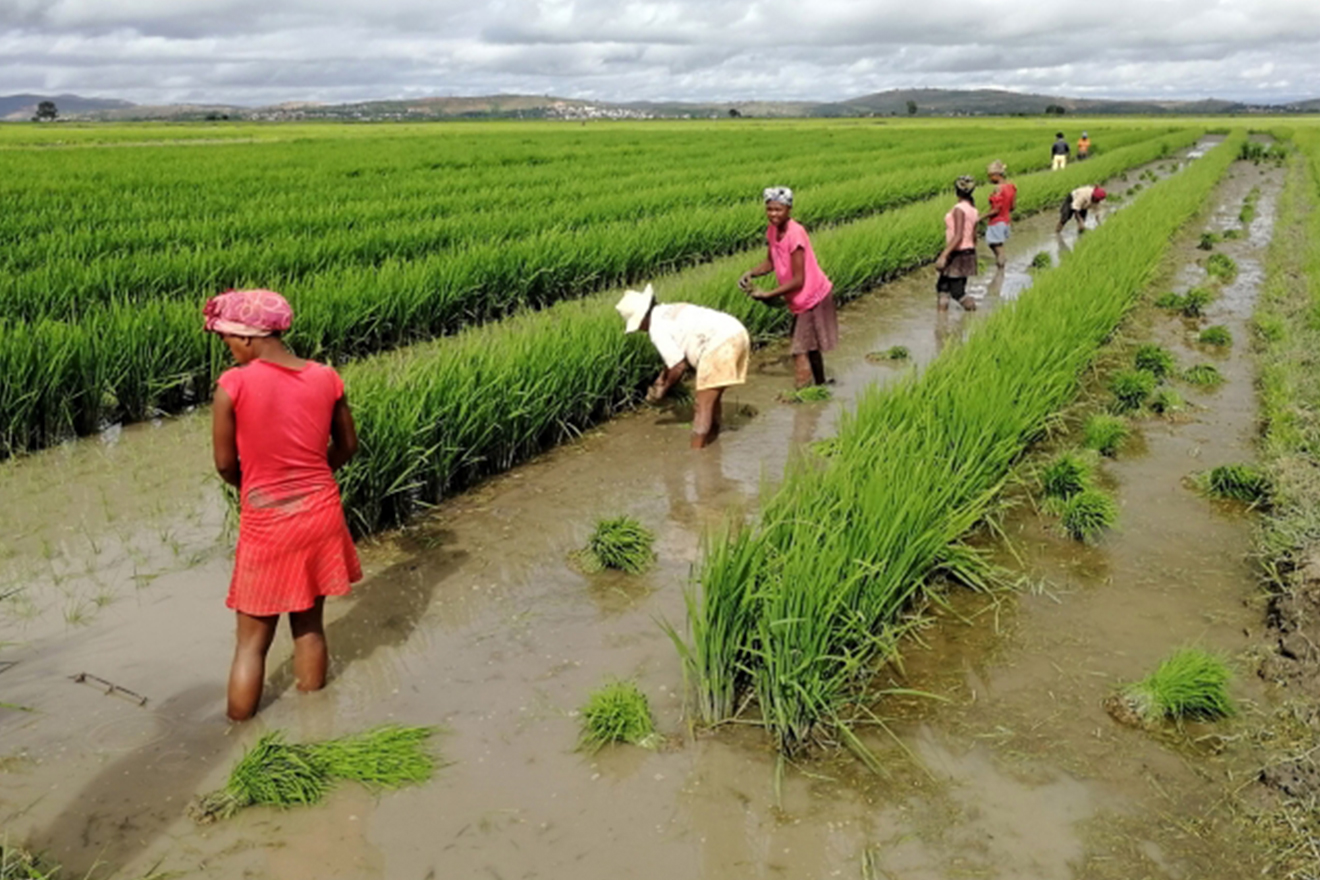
929,102
24,107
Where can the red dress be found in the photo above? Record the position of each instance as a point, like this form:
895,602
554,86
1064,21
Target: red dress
293,543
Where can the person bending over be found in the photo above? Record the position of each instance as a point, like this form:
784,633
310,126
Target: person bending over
1077,204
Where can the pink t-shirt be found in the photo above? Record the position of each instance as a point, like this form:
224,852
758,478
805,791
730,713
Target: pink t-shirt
815,286
970,215
283,420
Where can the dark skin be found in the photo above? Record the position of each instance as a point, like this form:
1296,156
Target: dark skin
959,225
706,414
255,633
808,368
998,249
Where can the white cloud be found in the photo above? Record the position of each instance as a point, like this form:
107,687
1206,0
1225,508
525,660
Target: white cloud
257,51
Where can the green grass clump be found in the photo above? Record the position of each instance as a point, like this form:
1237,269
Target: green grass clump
1154,359
1042,260
809,394
1241,482
1208,241
1191,683
1216,335
621,543
1203,374
1104,433
1066,474
1221,266
825,448
1131,388
1232,234
1169,300
617,712
1193,304
893,353
17,863
278,773
1166,401
1087,514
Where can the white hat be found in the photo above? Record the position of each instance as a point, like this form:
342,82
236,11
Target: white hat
634,307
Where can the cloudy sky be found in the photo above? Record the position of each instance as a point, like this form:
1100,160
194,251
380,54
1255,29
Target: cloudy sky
265,51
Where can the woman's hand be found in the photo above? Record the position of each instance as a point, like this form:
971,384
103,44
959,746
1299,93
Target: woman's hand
940,263
745,283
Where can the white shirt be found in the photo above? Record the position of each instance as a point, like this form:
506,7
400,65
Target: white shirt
1081,198
682,331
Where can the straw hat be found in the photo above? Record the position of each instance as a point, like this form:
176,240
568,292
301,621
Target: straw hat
634,306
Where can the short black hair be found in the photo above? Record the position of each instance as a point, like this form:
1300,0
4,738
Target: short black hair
1058,134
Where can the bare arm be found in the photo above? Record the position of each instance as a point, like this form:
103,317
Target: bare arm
224,437
799,258
668,378
765,267
958,224
343,435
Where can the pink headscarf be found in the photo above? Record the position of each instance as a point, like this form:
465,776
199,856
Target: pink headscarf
248,313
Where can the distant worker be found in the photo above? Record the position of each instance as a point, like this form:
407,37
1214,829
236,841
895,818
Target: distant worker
713,343
803,286
1076,205
1002,202
281,427
1083,147
1060,152
957,262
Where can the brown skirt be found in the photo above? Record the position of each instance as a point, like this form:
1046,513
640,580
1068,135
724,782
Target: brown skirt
961,264
816,329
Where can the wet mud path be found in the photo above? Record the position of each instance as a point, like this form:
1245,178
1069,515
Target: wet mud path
476,619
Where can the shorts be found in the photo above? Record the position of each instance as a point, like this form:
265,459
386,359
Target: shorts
954,287
1066,211
725,364
1060,162
997,233
816,329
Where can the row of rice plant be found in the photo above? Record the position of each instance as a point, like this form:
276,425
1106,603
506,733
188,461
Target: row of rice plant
790,614
126,361
435,416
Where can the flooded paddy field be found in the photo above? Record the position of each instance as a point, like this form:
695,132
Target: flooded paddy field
476,619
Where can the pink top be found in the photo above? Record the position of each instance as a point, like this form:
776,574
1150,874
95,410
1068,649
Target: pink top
968,241
283,421
815,286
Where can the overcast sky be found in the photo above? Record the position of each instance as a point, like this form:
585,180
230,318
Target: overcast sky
265,51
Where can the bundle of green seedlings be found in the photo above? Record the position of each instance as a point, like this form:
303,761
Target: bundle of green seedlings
790,613
891,354
1131,388
809,394
1154,359
1190,684
1240,482
1191,304
1202,374
1104,433
617,712
620,543
278,773
1042,260
1209,240
1068,483
1217,335
1166,401
1221,267
1087,514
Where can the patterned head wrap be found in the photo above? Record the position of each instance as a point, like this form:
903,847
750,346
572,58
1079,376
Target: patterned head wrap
964,186
781,194
996,167
248,313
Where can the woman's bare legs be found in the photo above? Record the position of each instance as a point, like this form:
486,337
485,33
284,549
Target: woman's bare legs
247,675
802,372
706,417
311,657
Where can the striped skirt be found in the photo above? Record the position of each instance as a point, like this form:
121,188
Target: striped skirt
291,554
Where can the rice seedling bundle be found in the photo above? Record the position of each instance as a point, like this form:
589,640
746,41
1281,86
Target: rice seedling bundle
1190,684
1232,234
1105,433
1166,401
893,353
795,608
617,712
809,394
1131,388
1216,335
1209,240
1194,302
1067,474
1221,266
620,543
1042,260
1202,374
1169,300
1153,359
1088,513
1241,482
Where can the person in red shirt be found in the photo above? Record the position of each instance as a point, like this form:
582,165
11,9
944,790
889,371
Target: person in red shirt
1002,201
280,428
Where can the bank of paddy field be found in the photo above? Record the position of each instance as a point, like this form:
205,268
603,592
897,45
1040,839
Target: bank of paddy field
384,241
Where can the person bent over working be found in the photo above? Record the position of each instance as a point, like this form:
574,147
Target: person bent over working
804,287
1059,152
1076,205
714,343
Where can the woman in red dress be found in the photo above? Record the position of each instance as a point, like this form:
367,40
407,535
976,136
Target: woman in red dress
281,426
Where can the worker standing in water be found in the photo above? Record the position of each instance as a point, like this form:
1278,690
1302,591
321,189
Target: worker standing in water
1083,147
1059,152
1002,201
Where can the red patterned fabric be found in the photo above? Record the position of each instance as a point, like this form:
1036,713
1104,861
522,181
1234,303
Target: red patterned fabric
248,313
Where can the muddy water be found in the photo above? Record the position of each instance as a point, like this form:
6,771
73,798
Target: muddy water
475,619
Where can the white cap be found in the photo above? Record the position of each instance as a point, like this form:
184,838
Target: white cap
634,306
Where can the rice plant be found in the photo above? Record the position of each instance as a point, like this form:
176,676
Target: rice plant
278,773
1154,359
1209,240
809,394
1169,300
1216,335
1221,266
17,863
1194,302
1087,514
1232,234
893,353
620,543
1042,260
1166,401
1202,374
1104,433
826,448
1240,482
1190,684
1131,388
1067,474
617,712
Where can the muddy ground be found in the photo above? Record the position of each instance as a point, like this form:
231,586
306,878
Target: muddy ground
476,619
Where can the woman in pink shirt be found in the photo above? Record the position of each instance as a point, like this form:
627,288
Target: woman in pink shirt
281,427
957,262
806,290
